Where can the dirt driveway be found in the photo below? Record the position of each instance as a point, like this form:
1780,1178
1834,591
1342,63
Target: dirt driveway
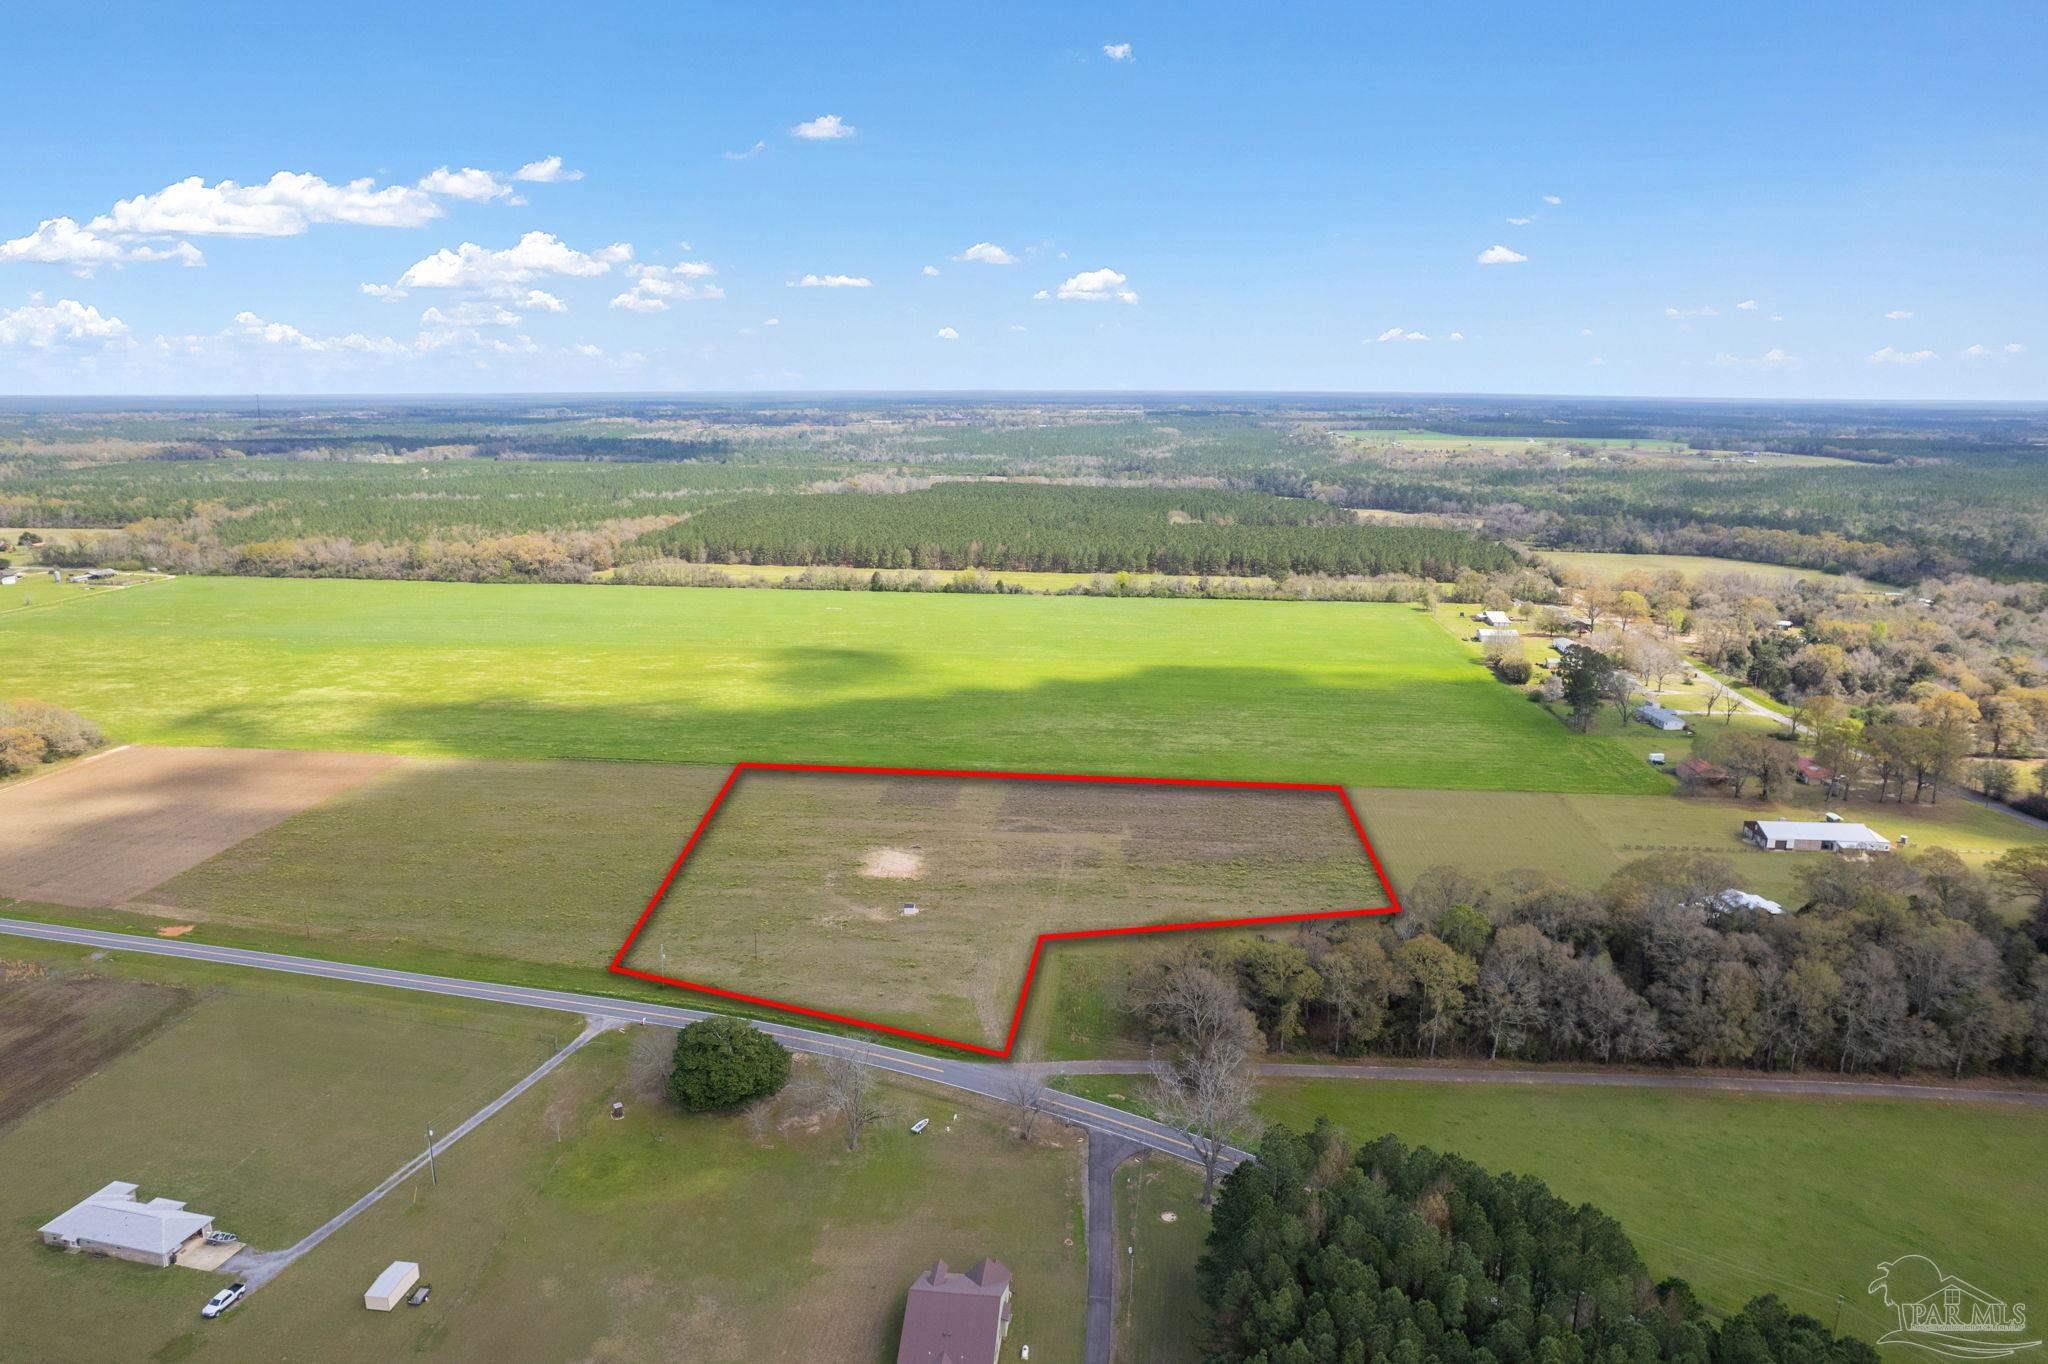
108,828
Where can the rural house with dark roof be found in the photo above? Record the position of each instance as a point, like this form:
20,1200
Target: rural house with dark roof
955,1318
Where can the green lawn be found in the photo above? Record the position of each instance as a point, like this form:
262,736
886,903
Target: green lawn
1743,1194
1159,1314
1366,694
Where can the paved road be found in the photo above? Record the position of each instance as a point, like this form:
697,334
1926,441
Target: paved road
1105,1154
259,1267
975,1077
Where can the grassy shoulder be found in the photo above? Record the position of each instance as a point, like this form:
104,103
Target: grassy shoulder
1161,1227
1299,691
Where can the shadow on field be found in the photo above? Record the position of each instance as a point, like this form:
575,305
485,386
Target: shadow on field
1231,722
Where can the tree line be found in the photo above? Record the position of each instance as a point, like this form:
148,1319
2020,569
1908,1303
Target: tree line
1897,964
1067,529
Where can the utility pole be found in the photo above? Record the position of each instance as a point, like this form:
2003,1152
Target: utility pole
432,1173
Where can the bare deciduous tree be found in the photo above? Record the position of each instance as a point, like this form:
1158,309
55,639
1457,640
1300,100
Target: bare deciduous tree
1207,1093
849,1090
1026,1093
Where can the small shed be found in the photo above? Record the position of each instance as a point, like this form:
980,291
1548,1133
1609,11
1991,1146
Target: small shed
9,579
1505,637
392,1286
1499,620
1660,717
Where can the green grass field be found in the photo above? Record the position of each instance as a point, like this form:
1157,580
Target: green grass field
1159,1314
1743,1194
1604,567
1583,839
1371,695
797,891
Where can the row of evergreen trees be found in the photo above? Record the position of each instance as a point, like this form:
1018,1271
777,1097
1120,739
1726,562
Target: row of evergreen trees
1317,1255
1070,529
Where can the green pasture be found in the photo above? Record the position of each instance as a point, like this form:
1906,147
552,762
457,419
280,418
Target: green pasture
1744,1194
1364,694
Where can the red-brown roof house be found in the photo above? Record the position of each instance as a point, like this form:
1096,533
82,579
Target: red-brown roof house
1700,772
1809,772
955,1318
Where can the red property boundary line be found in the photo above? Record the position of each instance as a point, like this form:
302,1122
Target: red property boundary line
618,963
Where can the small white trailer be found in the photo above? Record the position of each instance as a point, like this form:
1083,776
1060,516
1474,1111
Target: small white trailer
392,1286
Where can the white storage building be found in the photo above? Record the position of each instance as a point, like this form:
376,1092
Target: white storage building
114,1222
392,1286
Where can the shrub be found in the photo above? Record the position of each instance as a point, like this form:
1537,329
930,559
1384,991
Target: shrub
724,1063
20,749
65,734
1514,671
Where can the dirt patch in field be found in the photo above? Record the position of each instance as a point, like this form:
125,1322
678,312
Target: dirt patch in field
58,1027
107,829
175,930
892,864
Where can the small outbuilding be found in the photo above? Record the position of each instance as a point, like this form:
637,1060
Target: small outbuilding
392,1286
1799,835
115,1222
1498,636
1660,717
1810,773
1499,620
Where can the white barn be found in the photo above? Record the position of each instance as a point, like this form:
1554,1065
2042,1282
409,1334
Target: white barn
114,1222
1805,835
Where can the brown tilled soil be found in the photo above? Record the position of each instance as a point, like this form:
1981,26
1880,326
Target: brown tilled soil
107,829
59,1026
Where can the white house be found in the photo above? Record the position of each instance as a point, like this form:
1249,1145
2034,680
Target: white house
1659,717
114,1222
1804,835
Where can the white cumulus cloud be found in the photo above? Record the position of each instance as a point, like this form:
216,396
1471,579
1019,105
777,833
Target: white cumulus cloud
1098,286
469,183
1500,255
549,170
654,286
41,326
988,253
62,241
2015,348
1119,52
285,205
833,282
1748,305
929,271
749,154
1397,334
1520,222
824,128
470,266
1687,314
1552,200
948,334
1890,356
1899,315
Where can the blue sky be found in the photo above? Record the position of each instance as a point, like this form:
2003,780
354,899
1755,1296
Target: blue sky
1747,200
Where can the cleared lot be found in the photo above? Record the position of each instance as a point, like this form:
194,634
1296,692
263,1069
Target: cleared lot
915,901
105,830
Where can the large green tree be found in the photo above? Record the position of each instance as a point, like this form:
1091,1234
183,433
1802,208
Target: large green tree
725,1063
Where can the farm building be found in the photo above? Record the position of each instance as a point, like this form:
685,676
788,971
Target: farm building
9,579
1659,717
1499,620
1700,772
1810,773
1499,636
961,1318
1801,835
114,1222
